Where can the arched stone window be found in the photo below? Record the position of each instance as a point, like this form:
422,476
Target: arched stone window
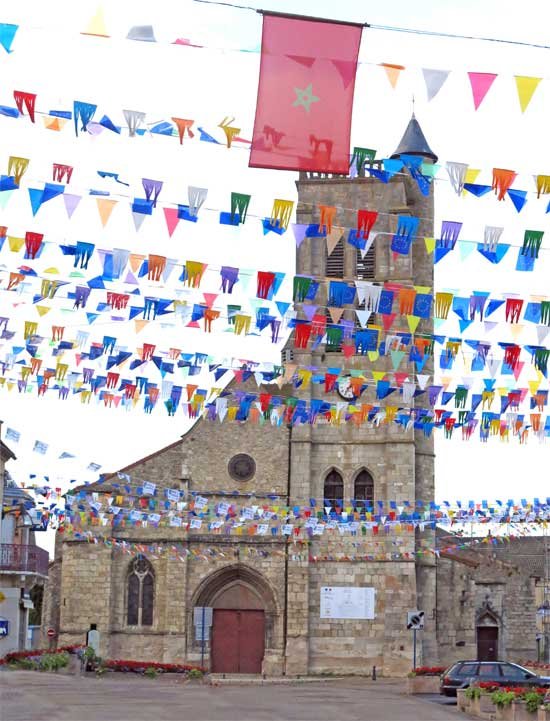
141,593
334,489
363,489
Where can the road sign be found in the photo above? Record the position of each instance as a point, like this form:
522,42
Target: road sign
4,627
202,633
202,616
415,620
51,633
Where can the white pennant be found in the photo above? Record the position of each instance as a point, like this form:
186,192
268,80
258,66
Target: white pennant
457,175
196,196
363,317
434,80
491,237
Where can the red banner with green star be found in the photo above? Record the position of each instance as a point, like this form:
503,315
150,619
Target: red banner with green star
305,94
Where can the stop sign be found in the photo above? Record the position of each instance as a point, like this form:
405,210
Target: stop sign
51,633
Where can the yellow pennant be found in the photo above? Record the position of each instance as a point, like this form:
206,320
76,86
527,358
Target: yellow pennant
526,87
430,245
15,244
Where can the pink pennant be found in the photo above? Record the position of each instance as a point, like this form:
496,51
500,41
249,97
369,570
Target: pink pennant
172,220
210,298
346,69
481,83
518,369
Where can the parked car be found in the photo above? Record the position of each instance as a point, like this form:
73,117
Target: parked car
465,673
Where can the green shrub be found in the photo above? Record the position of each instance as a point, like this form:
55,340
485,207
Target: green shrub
150,672
502,698
23,664
532,701
195,673
472,692
53,661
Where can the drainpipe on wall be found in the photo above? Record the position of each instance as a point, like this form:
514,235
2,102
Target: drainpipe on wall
1,482
285,615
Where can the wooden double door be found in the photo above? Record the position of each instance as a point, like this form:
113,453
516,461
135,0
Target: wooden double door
238,641
487,643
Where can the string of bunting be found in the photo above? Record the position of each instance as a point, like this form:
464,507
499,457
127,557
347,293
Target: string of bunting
434,78
299,550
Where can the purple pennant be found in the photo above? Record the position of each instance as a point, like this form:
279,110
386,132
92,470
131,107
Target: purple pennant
299,232
152,189
450,230
63,393
87,374
477,305
433,392
229,277
81,296
275,328
309,310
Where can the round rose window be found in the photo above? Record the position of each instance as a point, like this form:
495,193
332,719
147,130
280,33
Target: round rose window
242,467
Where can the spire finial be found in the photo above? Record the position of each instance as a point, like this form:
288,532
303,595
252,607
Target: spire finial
413,104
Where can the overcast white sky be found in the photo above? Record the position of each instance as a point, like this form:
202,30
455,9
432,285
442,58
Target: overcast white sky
52,59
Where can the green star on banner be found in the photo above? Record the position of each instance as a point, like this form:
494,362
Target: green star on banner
305,97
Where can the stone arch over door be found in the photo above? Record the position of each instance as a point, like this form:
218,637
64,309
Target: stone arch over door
245,619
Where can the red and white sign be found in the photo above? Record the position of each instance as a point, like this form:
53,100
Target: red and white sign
51,633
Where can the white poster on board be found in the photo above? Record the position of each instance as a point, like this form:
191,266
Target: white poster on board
347,602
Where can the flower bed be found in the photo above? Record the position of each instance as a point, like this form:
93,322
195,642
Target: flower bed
513,703
428,671
142,666
37,652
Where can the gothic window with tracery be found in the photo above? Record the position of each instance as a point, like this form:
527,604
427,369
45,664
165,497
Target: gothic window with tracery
141,593
334,489
363,491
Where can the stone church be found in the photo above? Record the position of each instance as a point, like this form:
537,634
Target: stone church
268,596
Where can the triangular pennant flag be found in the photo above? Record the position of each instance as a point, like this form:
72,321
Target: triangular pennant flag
542,332
481,84
5,196
413,321
347,70
336,314
393,72
465,248
140,324
363,317
105,207
299,230
7,34
71,202
52,190
96,26
434,80
518,198
305,60
42,310
333,238
172,219
138,219
35,196
464,324
526,87
430,245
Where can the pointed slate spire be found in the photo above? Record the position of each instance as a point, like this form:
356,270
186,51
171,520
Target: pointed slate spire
414,142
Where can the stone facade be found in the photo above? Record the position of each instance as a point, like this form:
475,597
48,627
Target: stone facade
89,583
492,588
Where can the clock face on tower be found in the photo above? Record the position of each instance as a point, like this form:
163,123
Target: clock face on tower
345,389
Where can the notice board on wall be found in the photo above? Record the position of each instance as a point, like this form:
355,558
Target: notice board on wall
347,602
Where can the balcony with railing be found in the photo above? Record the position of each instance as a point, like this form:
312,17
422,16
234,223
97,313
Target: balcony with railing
22,559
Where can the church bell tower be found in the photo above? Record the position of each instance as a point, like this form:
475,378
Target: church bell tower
356,465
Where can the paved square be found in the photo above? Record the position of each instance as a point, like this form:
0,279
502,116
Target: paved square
33,696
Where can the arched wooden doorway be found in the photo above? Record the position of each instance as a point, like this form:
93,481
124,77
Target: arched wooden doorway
243,618
487,637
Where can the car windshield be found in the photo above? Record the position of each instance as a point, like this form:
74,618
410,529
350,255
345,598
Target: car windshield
510,670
